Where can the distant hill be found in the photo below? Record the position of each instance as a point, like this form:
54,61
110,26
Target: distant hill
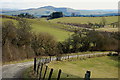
47,10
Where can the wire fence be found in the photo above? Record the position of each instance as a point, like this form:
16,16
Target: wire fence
43,72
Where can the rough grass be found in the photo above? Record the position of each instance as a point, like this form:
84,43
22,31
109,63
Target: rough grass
101,67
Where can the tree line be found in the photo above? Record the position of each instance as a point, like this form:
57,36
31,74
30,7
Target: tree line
86,40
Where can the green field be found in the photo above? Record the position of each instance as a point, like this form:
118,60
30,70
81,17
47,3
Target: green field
82,20
85,20
41,25
101,67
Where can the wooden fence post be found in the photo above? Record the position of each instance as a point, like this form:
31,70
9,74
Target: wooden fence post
68,56
34,64
87,75
38,67
59,73
41,71
50,75
50,58
45,72
77,56
45,60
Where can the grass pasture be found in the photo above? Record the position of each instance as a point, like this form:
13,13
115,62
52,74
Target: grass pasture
101,67
30,74
86,20
41,25
82,20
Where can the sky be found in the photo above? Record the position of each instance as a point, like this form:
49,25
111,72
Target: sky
75,4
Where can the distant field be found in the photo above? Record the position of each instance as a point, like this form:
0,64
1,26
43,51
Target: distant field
101,67
83,20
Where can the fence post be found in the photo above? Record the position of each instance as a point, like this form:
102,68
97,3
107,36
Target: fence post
50,75
77,56
34,64
58,78
38,67
68,57
41,71
50,58
87,75
45,72
89,56
45,60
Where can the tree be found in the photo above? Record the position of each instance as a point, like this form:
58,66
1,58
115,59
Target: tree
9,32
76,42
25,15
44,44
24,32
73,14
56,15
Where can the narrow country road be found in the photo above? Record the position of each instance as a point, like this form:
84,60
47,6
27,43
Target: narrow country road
15,70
